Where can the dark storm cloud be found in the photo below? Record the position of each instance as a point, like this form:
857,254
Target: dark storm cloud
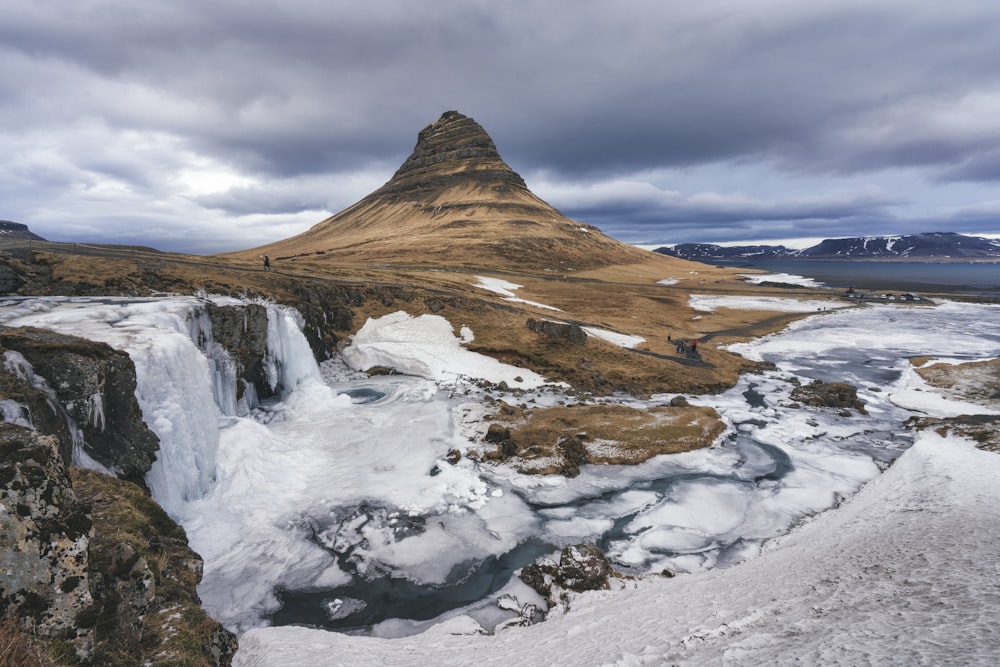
251,110
712,217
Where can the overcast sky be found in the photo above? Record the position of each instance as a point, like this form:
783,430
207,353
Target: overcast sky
213,125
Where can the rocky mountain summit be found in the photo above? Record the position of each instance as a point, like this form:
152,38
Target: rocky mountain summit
936,246
455,201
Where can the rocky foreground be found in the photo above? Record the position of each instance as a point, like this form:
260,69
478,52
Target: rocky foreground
93,569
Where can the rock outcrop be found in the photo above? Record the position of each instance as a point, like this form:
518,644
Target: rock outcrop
574,333
581,567
242,332
829,395
44,540
93,568
93,385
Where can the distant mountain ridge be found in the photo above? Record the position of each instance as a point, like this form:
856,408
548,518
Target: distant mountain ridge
17,230
933,245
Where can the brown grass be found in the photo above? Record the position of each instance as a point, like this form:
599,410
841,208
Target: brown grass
609,434
977,381
18,648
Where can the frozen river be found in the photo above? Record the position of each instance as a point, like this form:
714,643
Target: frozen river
339,505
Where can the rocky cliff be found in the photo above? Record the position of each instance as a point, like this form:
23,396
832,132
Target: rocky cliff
78,389
89,563
94,571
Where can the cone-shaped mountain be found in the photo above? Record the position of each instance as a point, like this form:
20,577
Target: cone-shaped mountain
455,202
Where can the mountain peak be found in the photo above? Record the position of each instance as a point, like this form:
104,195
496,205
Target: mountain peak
454,201
453,147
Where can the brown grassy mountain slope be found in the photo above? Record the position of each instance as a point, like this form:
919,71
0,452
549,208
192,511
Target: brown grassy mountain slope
455,202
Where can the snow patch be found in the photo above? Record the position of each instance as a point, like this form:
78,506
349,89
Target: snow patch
506,289
622,340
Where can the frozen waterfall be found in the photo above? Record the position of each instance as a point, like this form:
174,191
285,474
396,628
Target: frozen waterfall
185,380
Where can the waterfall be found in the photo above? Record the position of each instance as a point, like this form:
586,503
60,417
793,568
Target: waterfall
187,387
186,382
174,389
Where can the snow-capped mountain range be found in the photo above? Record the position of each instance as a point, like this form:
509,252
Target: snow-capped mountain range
935,245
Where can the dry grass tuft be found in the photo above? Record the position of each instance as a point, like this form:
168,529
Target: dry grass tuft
18,648
976,381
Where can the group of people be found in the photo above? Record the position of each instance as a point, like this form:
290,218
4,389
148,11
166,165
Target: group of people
685,346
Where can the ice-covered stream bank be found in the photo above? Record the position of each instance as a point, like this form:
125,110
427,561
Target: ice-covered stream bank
344,481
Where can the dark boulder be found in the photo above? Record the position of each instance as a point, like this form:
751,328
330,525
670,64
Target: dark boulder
829,395
242,331
581,567
574,333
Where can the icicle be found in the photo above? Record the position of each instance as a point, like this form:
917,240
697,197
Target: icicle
290,360
95,411
80,458
222,368
249,402
13,412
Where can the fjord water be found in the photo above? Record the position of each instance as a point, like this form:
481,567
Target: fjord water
956,277
336,505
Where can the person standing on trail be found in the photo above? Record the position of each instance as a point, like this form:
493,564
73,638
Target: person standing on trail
267,262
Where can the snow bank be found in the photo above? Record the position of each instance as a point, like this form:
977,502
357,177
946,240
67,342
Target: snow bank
904,573
426,346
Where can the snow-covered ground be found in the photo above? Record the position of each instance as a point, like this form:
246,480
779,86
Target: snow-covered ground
904,573
347,484
506,289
